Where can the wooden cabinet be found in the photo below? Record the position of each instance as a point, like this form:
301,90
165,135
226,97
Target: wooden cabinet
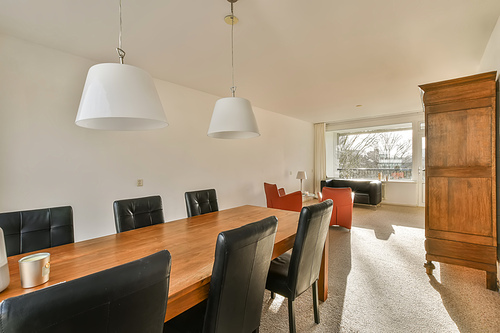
460,210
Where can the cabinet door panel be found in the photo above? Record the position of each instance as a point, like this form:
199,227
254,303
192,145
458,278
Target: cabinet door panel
460,205
444,129
459,138
437,203
479,137
469,209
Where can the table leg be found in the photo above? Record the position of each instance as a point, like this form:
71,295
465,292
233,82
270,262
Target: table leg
323,274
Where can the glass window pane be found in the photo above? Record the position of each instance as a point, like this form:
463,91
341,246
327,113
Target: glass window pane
381,153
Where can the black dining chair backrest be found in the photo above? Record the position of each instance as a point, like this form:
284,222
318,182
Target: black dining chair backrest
33,230
237,285
292,274
242,258
137,213
307,252
127,298
201,202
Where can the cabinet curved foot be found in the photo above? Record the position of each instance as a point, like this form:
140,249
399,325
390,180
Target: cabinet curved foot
429,267
491,281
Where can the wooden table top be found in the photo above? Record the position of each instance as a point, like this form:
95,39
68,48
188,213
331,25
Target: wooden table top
191,242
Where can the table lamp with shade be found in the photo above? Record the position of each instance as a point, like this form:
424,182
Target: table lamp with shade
301,175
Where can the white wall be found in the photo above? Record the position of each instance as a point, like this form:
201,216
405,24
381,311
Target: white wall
46,160
400,193
491,56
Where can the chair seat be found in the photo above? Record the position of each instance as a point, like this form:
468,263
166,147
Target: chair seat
277,276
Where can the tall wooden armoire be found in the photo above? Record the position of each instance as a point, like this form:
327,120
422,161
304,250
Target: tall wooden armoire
460,188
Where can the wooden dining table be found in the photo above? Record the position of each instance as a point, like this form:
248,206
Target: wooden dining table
191,242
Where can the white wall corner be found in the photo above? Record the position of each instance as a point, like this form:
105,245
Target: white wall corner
491,56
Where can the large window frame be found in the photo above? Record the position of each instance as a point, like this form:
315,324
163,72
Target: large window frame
413,120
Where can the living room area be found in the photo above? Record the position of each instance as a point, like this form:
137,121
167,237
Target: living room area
378,283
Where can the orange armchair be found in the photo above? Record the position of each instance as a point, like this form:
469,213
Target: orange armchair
276,198
342,205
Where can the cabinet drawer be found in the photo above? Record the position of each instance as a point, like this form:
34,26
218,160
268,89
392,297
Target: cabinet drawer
461,250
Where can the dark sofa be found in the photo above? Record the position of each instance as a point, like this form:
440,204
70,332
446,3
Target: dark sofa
366,191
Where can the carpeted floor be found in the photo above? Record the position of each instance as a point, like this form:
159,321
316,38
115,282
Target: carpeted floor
377,283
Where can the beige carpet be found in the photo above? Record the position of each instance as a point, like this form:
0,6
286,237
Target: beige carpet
377,283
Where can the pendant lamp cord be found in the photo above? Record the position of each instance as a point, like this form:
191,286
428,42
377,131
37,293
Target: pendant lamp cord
121,53
233,88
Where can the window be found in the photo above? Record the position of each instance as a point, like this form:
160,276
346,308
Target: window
382,152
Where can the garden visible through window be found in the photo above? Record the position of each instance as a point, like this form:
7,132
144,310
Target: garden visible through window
375,153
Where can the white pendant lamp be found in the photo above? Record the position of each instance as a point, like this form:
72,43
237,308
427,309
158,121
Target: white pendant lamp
120,97
233,117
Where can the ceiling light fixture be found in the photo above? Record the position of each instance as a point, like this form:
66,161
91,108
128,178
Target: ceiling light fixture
233,117
120,97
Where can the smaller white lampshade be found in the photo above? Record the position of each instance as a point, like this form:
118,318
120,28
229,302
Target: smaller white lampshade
301,175
233,118
120,97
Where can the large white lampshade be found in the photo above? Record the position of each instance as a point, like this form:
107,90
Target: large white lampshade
233,118
120,97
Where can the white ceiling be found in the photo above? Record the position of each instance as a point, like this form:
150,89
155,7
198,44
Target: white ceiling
312,60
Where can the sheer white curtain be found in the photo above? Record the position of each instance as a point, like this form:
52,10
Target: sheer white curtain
319,155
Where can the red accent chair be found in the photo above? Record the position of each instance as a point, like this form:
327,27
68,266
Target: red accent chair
342,205
276,198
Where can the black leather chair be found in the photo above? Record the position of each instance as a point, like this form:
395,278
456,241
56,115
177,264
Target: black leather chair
201,202
292,274
137,213
127,298
33,230
234,304
365,191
